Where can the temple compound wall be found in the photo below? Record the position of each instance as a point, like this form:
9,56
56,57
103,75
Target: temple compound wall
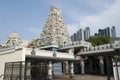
10,55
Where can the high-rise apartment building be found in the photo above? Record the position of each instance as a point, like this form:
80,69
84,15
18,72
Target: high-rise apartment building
87,33
111,32
81,34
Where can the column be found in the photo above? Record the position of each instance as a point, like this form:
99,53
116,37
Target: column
28,67
71,70
101,65
67,67
50,68
82,66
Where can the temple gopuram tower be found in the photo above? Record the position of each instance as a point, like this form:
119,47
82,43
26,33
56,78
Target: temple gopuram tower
13,40
54,31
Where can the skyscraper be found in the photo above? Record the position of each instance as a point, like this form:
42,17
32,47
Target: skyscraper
111,32
81,34
87,33
108,32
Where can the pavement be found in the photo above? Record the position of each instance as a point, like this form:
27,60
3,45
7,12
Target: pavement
91,77
84,77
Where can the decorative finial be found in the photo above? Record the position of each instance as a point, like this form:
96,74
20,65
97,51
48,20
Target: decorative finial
14,31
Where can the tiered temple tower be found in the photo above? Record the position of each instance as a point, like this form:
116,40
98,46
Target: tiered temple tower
54,31
13,40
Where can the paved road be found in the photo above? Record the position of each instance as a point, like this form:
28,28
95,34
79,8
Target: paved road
91,77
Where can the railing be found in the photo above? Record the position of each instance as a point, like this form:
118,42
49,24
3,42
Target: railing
77,43
101,47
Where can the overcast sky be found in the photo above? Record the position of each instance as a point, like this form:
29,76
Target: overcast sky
27,17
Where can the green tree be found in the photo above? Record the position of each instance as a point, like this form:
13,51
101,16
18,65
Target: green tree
99,40
116,58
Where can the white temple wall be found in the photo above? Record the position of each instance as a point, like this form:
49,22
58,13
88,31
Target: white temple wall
10,55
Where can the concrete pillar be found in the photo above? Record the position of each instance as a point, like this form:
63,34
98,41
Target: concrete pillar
50,69
67,67
28,70
71,70
101,65
82,66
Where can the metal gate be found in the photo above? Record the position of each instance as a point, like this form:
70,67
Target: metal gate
26,70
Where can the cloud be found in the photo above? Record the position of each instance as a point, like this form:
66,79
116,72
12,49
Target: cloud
68,10
34,30
72,28
93,13
109,17
82,8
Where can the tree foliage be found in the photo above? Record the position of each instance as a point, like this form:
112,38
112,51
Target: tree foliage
116,58
99,40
